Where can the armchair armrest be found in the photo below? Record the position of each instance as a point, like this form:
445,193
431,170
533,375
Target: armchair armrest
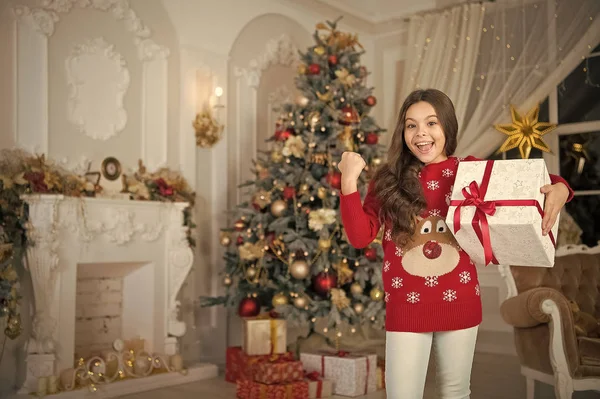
539,306
526,310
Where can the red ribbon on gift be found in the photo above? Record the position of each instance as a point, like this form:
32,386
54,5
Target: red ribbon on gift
367,377
314,376
475,196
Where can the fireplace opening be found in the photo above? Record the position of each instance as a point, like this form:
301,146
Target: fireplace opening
113,301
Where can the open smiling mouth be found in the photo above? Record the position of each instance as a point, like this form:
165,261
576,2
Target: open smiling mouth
424,147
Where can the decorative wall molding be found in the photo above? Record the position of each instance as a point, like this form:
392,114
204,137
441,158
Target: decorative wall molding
33,28
45,17
97,116
278,51
40,20
279,96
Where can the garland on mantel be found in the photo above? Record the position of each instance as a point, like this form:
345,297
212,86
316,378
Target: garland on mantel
22,173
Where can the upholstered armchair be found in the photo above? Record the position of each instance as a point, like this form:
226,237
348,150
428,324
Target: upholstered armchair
551,343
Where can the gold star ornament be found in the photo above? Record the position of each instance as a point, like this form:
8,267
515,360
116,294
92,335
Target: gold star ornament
525,132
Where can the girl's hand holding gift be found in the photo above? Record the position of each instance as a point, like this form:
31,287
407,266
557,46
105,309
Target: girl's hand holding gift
556,197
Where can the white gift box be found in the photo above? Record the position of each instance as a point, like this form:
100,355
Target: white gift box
515,227
352,374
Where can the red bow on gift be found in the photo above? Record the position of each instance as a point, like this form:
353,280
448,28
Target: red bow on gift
314,376
342,353
474,197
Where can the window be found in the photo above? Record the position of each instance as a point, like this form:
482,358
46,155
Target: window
578,143
575,143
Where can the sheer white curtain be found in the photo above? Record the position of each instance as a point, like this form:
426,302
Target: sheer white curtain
526,49
443,50
486,56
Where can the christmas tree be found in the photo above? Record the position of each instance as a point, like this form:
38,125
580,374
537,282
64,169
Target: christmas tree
287,250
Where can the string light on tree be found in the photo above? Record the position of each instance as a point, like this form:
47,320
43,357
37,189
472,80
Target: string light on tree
292,211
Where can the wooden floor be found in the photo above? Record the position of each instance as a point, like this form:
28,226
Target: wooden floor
494,377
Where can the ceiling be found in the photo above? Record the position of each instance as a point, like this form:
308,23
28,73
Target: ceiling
379,11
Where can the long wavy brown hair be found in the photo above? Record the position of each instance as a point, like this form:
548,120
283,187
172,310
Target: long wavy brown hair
396,182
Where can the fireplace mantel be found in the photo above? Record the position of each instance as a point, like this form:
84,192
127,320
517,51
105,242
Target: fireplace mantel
65,232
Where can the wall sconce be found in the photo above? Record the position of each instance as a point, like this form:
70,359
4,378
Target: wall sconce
207,127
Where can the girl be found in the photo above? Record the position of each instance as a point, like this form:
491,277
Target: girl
431,288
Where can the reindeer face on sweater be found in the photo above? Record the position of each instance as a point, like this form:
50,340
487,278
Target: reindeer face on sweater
432,251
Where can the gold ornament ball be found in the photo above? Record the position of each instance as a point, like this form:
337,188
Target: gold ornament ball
304,188
278,207
324,244
250,272
300,302
279,299
376,161
227,281
302,69
276,156
322,192
319,50
359,308
356,289
239,225
299,269
376,294
225,241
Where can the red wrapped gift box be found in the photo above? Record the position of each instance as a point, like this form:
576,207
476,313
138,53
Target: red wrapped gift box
247,389
280,371
240,365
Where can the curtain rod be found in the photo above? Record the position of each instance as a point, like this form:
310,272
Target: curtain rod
448,7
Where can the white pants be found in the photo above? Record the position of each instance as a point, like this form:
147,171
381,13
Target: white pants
407,358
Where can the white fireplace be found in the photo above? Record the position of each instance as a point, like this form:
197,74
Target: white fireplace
104,269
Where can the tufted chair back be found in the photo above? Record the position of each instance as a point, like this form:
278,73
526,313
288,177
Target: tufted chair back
576,276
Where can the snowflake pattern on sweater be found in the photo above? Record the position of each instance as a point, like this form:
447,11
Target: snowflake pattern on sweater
430,283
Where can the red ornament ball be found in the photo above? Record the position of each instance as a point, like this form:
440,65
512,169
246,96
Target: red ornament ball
349,116
371,101
332,59
323,283
372,138
249,307
289,192
371,254
239,225
334,179
314,69
240,240
283,135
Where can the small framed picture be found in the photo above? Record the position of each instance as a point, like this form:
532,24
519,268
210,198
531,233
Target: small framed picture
111,168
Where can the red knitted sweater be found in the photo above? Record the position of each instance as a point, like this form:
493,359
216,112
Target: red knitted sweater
431,283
